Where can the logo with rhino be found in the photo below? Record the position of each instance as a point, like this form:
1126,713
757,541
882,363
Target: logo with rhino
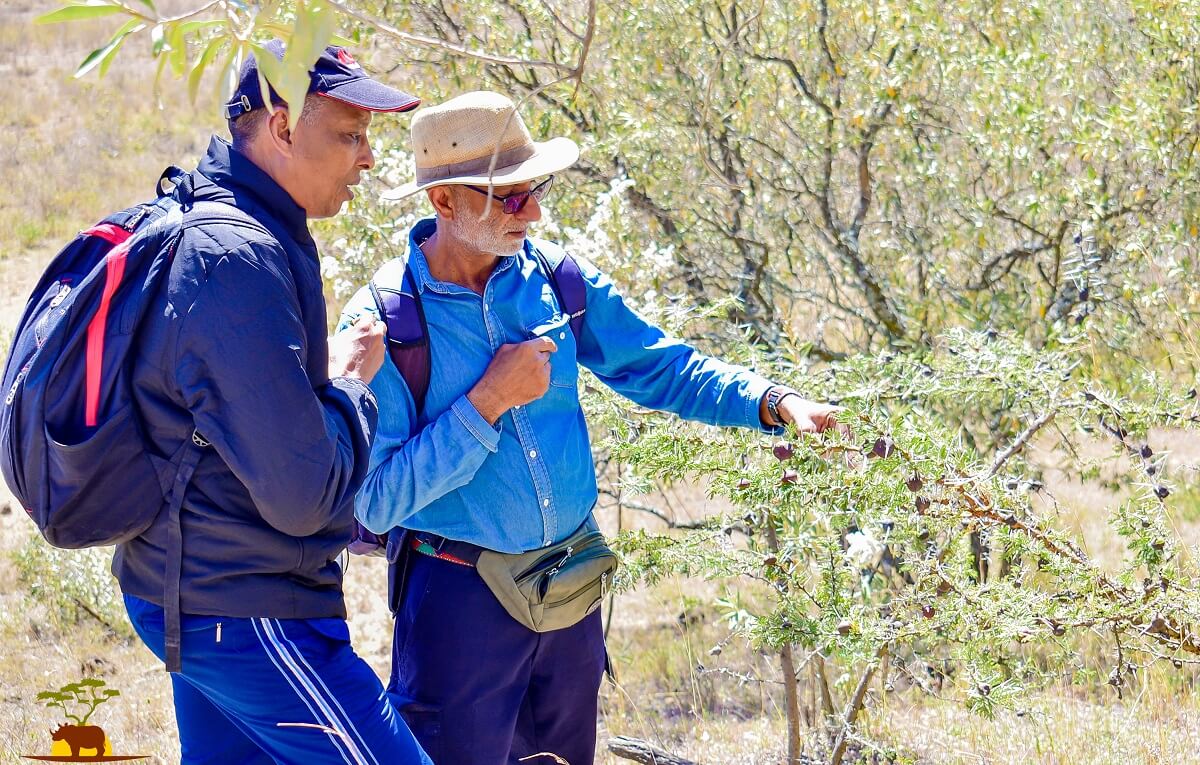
76,741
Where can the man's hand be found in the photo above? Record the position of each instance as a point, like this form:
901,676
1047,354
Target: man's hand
810,416
519,373
358,350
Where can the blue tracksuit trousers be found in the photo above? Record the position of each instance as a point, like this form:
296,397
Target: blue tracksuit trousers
477,687
286,691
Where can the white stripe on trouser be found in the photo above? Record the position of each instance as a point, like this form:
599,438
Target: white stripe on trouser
339,745
345,718
273,648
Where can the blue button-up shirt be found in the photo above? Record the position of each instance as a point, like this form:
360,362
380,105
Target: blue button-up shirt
529,481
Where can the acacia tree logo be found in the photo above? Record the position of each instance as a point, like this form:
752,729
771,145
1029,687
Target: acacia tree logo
78,701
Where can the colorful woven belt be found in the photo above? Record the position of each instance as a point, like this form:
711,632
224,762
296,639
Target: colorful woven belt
423,547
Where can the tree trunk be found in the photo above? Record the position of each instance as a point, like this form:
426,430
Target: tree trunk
787,666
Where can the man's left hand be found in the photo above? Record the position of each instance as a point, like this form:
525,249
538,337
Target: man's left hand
809,416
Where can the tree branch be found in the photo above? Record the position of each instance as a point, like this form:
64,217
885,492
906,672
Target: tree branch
459,50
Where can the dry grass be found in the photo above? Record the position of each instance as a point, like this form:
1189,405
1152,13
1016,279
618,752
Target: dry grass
72,151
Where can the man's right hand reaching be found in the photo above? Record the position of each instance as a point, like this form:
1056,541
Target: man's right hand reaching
518,373
358,350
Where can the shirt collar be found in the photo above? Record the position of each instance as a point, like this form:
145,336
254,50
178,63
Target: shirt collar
419,266
234,171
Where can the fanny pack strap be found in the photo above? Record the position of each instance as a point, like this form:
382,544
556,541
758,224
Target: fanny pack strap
464,551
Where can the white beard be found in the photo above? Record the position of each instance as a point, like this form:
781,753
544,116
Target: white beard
484,235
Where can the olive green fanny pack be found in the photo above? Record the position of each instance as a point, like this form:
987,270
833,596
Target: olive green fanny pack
554,587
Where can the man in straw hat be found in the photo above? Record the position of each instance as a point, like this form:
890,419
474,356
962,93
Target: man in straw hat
482,453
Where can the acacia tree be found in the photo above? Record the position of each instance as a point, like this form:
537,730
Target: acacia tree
880,171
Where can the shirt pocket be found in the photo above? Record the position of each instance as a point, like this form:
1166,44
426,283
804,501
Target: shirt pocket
564,369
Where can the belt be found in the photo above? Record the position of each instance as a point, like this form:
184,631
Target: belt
446,549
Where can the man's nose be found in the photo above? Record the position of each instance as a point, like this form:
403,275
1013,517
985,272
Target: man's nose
532,211
366,159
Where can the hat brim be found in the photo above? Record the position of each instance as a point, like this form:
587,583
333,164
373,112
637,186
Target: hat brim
548,157
373,96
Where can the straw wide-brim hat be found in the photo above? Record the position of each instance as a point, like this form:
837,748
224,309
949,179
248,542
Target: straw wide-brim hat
454,143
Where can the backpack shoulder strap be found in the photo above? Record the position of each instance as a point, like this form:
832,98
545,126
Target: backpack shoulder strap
399,304
566,280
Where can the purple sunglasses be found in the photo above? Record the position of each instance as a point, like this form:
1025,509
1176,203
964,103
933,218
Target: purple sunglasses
515,202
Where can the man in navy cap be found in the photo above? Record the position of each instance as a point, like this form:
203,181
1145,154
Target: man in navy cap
250,616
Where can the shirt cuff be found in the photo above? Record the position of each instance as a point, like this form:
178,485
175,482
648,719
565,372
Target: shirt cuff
363,400
756,389
474,422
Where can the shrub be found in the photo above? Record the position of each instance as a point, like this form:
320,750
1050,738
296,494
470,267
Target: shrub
903,550
72,585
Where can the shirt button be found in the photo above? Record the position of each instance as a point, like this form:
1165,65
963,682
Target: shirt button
562,335
533,454
545,503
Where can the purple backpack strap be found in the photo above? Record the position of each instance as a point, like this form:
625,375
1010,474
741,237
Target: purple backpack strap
408,339
567,282
408,347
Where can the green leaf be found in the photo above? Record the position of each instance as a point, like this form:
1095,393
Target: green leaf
150,4
227,76
162,64
270,72
314,26
112,55
201,64
178,52
92,9
103,57
275,28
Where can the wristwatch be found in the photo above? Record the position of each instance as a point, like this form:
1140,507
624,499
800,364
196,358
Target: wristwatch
774,397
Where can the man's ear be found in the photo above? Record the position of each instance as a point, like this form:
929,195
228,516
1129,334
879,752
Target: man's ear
278,132
442,199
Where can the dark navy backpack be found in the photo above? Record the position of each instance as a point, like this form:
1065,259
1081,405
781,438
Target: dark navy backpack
71,447
408,342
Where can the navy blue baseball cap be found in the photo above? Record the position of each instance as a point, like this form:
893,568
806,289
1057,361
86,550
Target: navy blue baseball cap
335,75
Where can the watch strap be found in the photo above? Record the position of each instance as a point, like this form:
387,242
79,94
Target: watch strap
775,396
